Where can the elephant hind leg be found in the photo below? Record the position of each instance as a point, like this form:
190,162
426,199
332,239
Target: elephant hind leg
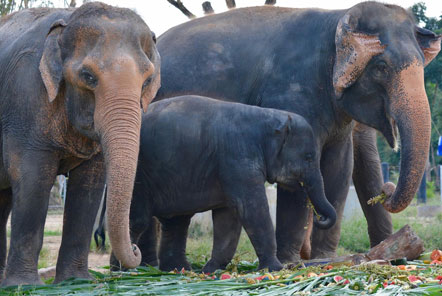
5,209
306,246
172,252
226,233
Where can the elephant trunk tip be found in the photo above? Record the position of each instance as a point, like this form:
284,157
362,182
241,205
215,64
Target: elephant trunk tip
325,222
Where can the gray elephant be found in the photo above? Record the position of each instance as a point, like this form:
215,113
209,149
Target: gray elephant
198,154
71,85
332,67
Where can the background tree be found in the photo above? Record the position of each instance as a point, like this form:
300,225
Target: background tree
207,6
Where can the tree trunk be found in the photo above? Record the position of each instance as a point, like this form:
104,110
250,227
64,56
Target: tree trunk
207,7
178,4
230,4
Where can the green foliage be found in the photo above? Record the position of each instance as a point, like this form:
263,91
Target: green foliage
8,6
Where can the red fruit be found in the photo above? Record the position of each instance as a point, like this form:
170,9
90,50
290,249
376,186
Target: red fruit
225,276
439,277
338,278
436,255
346,282
385,284
412,278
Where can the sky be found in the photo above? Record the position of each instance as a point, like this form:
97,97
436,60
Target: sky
160,15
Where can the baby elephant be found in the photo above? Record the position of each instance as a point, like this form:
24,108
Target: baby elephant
199,154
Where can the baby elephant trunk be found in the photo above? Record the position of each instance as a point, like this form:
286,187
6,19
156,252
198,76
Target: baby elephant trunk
314,186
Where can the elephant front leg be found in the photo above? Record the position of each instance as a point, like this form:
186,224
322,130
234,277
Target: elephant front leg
291,223
336,169
5,209
367,177
32,175
172,252
85,188
226,233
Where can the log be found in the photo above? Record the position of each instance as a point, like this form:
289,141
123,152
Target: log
402,244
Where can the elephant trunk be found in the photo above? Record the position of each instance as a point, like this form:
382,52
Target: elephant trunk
314,186
410,110
118,122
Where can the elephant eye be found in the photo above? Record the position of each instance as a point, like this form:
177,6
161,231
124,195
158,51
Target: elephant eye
147,82
88,78
381,67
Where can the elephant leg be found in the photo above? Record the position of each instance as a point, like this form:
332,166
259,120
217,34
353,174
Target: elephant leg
291,223
306,246
226,233
32,175
5,209
83,197
336,169
148,242
172,252
367,178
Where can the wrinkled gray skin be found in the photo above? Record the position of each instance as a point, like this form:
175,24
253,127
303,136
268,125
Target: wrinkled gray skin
199,154
71,85
332,67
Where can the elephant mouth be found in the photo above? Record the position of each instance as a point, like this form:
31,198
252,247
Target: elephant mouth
391,134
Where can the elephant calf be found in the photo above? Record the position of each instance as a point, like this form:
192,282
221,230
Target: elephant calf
199,154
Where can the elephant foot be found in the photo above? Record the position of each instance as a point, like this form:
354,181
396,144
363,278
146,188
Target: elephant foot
287,258
170,264
213,265
153,262
22,279
272,264
322,254
114,264
67,274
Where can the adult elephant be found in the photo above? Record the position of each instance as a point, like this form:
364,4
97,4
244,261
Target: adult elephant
365,63
71,86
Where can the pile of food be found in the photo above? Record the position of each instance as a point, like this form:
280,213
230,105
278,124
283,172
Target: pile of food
419,277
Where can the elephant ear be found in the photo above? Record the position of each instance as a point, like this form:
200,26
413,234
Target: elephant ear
353,52
51,68
429,43
154,82
282,131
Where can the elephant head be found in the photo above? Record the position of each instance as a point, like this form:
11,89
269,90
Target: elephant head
103,62
293,160
378,79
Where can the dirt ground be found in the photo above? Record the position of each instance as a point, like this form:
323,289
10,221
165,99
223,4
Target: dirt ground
51,245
